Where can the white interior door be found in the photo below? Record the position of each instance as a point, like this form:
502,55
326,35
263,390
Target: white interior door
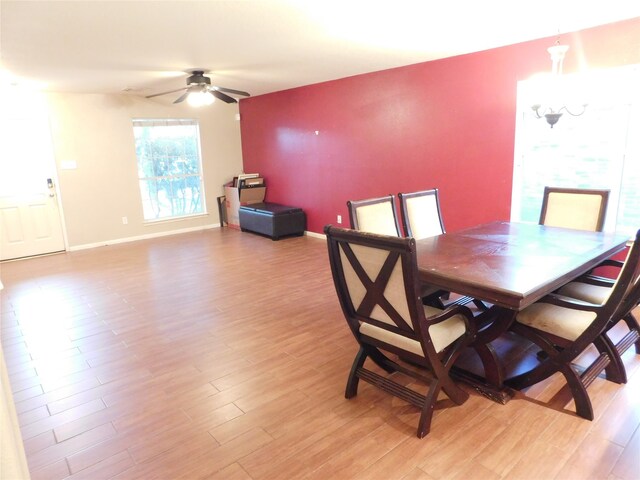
30,222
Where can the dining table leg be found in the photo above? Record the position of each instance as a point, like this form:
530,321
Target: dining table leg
493,369
492,324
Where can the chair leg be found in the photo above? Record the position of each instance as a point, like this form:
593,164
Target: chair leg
454,392
633,325
579,392
545,370
614,371
424,424
442,374
352,382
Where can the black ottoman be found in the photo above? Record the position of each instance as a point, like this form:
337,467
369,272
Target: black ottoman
272,219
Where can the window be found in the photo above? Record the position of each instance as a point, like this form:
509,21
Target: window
600,149
169,168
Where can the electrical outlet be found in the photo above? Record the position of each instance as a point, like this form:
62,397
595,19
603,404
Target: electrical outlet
125,220
339,219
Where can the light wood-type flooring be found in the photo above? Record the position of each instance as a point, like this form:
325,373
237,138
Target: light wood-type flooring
224,355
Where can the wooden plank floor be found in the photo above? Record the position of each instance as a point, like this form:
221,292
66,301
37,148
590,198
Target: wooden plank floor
224,355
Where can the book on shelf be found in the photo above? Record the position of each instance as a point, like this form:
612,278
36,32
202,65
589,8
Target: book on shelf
251,182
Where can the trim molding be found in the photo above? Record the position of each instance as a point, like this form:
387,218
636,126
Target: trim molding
314,234
164,234
142,237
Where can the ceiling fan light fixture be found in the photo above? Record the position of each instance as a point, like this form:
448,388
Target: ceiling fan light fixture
199,91
200,98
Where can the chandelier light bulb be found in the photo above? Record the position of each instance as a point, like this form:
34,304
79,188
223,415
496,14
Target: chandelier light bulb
557,53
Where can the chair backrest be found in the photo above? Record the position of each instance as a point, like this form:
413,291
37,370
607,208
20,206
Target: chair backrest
624,296
376,279
375,215
421,216
631,297
577,208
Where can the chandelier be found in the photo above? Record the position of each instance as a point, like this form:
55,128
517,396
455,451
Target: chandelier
552,111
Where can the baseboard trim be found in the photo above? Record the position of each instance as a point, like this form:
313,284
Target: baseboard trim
141,237
164,234
314,234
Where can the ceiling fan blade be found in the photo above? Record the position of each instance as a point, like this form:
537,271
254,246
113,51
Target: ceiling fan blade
234,92
164,93
222,96
183,96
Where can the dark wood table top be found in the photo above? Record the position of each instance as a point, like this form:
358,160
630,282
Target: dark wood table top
512,264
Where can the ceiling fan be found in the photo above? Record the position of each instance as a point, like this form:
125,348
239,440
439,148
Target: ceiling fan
199,91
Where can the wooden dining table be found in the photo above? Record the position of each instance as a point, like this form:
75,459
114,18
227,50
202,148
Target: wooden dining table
509,265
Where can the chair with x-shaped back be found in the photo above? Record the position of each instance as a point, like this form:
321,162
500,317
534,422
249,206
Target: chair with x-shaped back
597,289
378,215
376,279
564,327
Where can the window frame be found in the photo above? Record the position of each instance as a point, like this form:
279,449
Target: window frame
612,90
171,179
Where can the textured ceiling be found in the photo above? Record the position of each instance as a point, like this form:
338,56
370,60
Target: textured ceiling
262,46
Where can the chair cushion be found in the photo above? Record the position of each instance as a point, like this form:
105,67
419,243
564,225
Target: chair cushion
586,292
442,334
560,321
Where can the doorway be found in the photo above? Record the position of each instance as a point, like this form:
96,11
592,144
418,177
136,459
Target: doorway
30,219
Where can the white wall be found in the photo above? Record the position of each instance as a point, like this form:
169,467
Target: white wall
13,463
96,133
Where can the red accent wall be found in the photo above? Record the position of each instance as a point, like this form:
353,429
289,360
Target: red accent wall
448,124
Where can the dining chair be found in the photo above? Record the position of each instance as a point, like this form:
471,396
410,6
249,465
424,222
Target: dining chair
421,215
376,280
375,215
564,327
422,218
378,215
596,289
578,208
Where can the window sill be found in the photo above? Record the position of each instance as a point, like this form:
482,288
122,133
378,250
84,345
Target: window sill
174,219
